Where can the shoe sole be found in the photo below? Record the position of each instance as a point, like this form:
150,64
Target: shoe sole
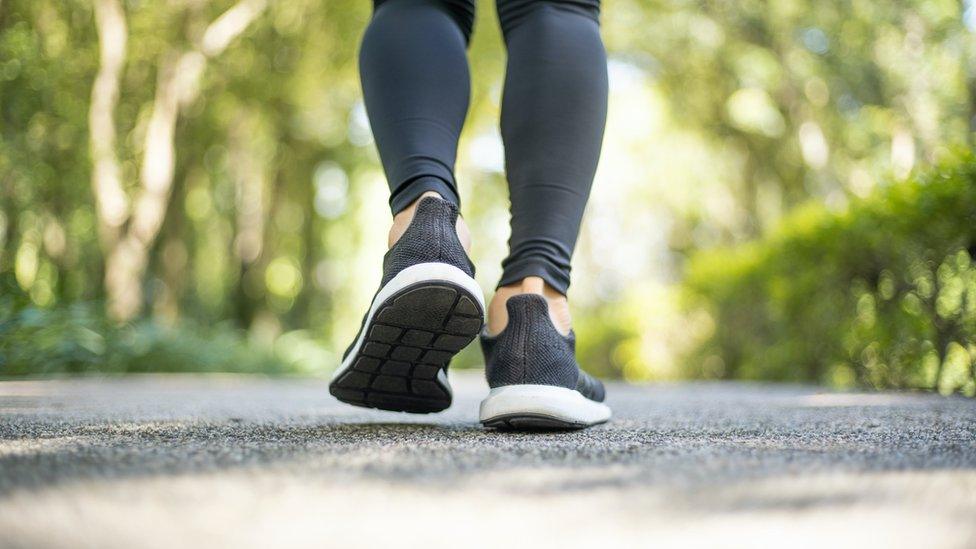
417,323
540,407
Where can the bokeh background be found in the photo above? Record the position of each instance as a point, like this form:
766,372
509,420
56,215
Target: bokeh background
786,193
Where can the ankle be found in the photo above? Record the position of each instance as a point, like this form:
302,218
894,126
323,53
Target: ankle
558,304
403,218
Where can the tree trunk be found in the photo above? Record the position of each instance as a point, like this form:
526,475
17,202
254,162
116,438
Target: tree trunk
127,251
111,203
127,260
247,167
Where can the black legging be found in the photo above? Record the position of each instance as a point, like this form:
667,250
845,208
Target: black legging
416,86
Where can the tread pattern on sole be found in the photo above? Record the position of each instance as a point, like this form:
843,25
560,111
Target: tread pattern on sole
412,337
532,422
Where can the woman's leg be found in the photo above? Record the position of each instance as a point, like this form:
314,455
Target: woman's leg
416,88
553,115
428,306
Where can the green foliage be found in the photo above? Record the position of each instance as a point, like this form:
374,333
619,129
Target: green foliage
78,339
882,294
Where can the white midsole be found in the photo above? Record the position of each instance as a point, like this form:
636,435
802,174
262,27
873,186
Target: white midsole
545,400
421,272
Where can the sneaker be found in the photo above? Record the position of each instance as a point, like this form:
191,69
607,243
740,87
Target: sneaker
427,309
535,380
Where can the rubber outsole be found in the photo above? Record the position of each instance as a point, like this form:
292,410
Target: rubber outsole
402,362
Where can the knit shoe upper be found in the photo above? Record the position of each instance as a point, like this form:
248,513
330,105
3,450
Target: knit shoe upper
531,351
430,238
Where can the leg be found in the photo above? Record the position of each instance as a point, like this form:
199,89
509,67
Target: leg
416,88
428,306
553,115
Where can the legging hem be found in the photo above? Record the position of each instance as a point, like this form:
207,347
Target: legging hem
555,277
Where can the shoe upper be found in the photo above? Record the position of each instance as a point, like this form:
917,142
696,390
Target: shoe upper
430,238
531,351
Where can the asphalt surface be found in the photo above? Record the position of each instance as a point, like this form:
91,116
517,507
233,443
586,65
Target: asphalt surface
251,462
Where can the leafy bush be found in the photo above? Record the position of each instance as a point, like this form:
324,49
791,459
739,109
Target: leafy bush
880,295
78,339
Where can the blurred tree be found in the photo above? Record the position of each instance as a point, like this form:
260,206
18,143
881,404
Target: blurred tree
813,99
127,232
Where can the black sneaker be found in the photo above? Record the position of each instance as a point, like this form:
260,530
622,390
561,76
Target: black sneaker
427,309
534,378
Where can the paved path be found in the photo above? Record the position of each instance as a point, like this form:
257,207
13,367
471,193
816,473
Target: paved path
249,462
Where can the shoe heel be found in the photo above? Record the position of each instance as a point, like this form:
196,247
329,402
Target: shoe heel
420,320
